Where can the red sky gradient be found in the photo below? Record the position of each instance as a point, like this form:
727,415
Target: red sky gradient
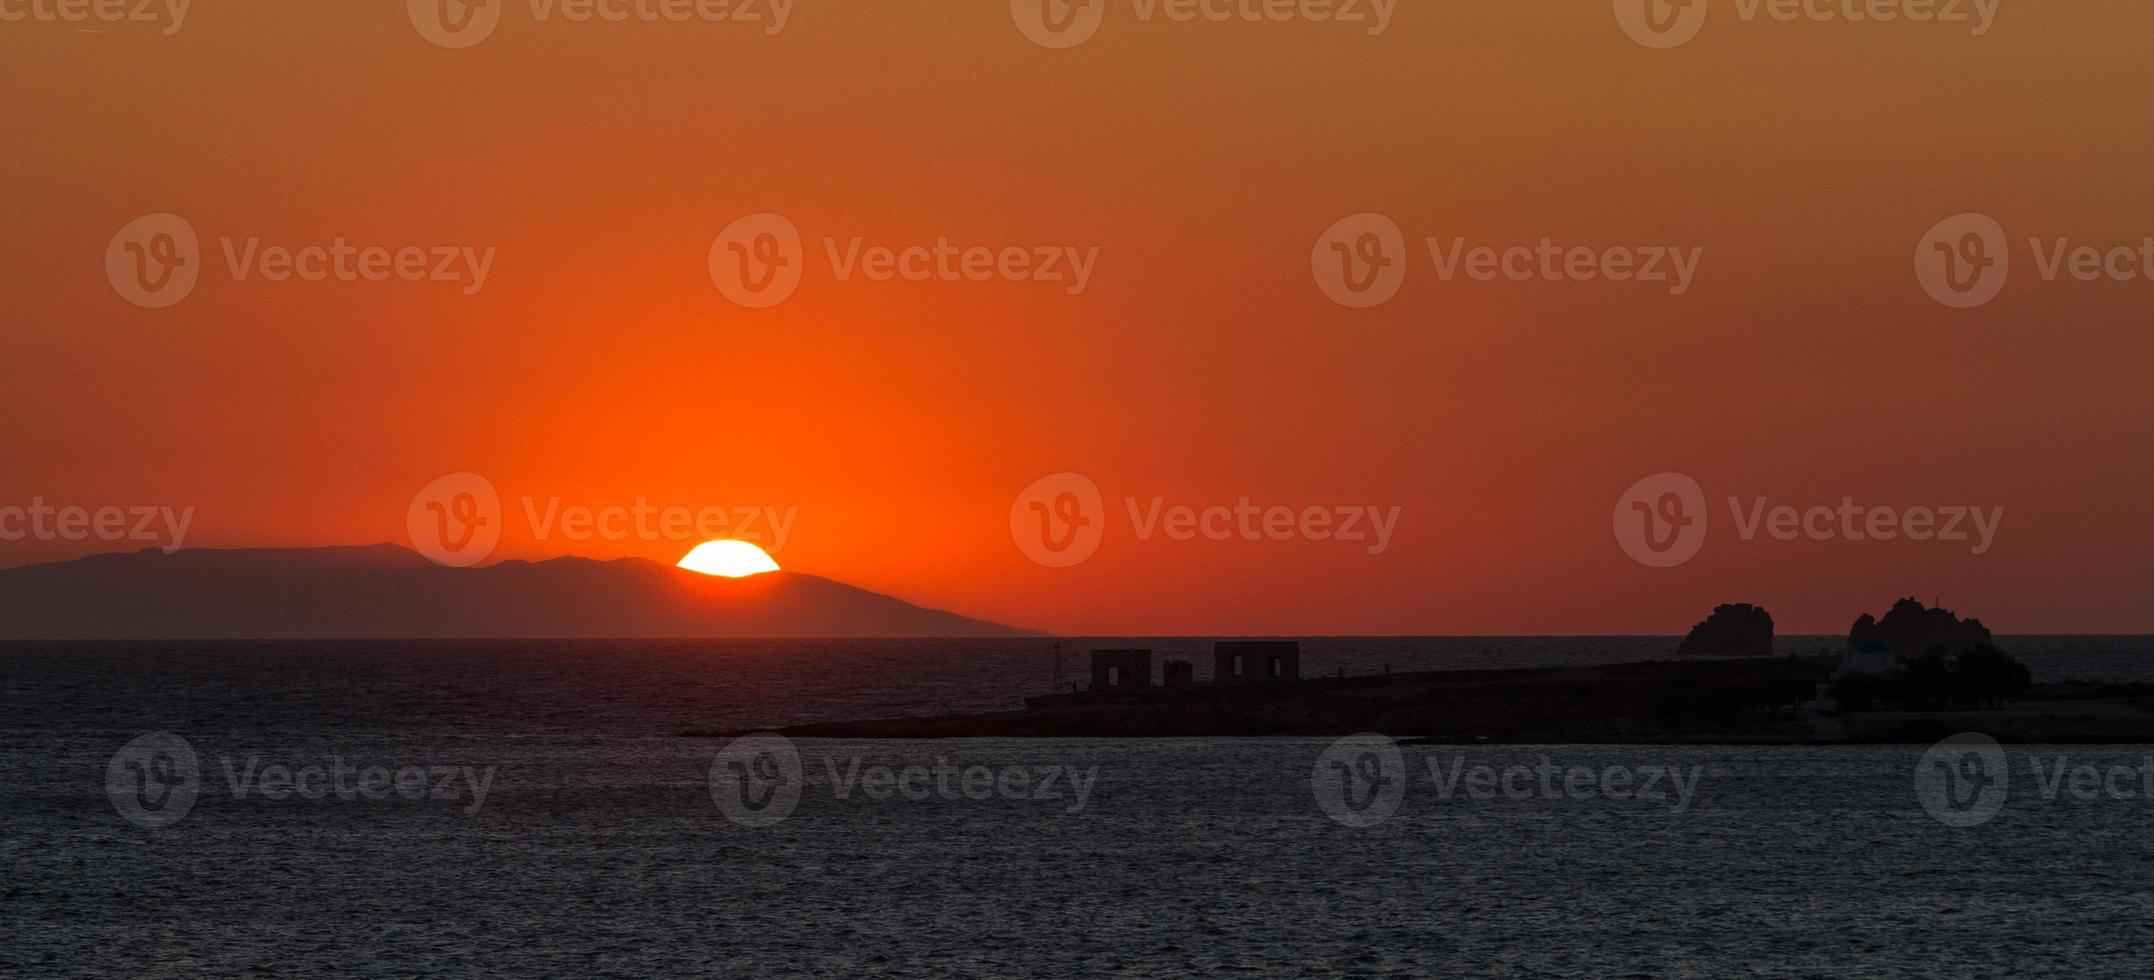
1201,365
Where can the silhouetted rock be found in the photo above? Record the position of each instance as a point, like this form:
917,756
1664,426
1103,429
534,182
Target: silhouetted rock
1739,630
1911,629
388,592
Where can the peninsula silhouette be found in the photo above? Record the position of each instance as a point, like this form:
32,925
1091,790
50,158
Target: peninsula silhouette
389,592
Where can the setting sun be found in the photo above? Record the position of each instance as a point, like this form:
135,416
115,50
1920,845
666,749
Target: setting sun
731,559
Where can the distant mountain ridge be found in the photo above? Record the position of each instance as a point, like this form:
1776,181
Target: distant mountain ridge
390,592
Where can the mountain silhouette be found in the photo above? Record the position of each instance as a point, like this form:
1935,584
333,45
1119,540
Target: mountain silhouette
389,592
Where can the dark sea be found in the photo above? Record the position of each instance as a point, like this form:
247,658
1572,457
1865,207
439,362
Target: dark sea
533,809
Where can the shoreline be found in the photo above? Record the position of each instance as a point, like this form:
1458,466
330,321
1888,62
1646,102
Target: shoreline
1661,702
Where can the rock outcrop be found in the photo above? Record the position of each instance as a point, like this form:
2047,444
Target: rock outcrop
1736,630
1911,629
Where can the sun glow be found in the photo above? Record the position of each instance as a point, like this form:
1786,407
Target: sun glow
730,559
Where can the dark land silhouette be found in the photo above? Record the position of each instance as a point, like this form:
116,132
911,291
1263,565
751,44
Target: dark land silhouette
1734,630
389,592
1701,702
1725,687
1911,629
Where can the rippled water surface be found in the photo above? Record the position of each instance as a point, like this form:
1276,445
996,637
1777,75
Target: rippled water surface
598,848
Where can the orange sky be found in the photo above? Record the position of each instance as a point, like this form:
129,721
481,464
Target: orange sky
1201,364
